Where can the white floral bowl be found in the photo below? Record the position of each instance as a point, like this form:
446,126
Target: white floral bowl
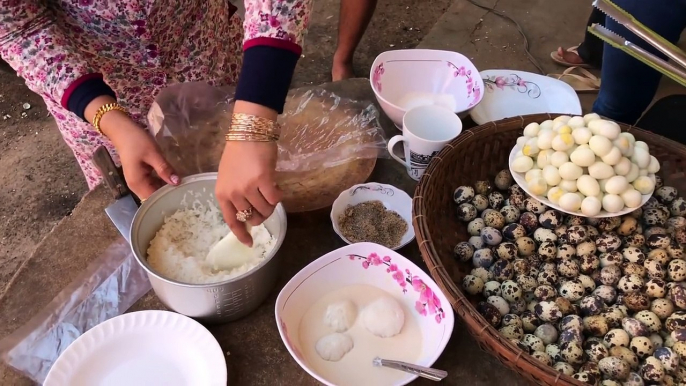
510,93
375,265
393,199
403,79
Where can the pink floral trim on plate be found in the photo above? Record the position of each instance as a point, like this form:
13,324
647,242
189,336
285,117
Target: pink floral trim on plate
427,304
513,82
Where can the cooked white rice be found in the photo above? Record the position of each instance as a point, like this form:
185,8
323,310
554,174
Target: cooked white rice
179,248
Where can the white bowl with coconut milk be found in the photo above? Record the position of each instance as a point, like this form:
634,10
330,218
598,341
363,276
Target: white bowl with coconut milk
370,277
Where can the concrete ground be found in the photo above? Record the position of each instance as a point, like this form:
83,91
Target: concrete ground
41,183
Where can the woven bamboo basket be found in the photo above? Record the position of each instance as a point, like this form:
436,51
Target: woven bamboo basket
479,154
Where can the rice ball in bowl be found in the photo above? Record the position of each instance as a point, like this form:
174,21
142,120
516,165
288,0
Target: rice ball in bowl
211,297
360,283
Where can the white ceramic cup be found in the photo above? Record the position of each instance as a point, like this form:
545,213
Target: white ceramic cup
426,130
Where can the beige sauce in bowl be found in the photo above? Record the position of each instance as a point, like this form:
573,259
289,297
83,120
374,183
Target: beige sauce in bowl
356,367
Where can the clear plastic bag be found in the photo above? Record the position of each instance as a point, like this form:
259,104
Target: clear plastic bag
108,287
319,129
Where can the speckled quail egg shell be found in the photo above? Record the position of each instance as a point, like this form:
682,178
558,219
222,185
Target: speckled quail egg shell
614,368
616,337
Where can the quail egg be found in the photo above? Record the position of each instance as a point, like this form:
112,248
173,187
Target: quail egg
506,251
572,352
502,270
466,212
564,368
614,368
463,194
472,284
634,327
512,332
641,346
542,357
626,355
616,337
510,213
676,270
490,313
548,311
652,370
514,231
464,251
572,290
491,236
503,179
500,303
595,350
483,258
525,246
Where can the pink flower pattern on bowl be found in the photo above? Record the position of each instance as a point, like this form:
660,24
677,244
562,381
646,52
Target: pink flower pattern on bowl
378,71
473,88
514,82
288,340
427,304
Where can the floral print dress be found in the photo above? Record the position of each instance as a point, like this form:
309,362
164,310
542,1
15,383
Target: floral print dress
138,46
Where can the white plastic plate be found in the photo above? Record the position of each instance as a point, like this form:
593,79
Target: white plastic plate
519,179
146,348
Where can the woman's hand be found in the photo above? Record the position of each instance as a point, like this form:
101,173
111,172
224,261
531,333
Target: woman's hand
139,153
246,181
140,156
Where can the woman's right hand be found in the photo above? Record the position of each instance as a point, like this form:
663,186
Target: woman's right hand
138,151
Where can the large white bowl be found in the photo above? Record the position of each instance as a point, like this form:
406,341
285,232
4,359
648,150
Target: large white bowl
393,199
510,93
395,74
521,181
370,264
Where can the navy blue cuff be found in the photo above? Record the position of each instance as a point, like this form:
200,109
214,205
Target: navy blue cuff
84,93
266,76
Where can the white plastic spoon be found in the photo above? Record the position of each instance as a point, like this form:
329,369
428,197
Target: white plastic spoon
229,253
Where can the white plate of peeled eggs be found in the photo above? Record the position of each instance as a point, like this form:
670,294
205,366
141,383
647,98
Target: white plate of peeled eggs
585,166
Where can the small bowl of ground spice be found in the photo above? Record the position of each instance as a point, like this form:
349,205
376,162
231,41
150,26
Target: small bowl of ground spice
375,213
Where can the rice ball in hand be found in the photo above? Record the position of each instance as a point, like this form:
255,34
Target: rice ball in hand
384,317
333,347
340,316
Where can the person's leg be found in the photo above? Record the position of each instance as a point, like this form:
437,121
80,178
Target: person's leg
354,18
591,49
628,86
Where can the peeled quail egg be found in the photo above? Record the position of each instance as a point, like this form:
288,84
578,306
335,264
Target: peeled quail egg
612,203
581,135
642,172
569,186
563,142
600,170
521,141
632,197
522,164
644,185
633,174
531,130
641,157
558,158
543,158
654,165
623,167
570,202
532,174
530,148
545,138
591,206
564,129
613,157
583,156
591,117
575,122
562,118
570,171
537,186
551,175
548,124
623,144
607,129
616,185
588,185
554,194
600,145
641,144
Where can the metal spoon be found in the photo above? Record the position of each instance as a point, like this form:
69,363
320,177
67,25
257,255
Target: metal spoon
424,372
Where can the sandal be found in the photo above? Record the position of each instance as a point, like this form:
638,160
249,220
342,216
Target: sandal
582,82
555,56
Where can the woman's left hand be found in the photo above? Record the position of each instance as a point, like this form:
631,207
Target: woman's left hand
246,182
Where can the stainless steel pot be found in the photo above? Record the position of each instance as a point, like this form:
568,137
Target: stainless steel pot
211,303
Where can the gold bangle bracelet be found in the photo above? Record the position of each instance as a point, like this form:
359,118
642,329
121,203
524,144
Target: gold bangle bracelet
246,123
104,109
